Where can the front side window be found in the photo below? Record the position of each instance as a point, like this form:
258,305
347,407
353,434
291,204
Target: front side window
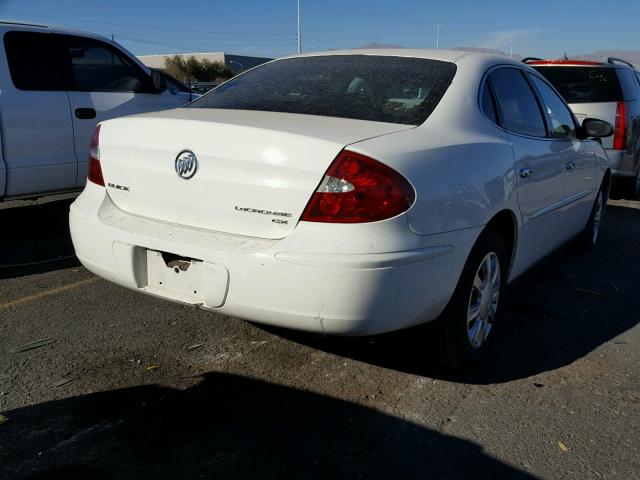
35,61
363,87
558,114
519,107
98,67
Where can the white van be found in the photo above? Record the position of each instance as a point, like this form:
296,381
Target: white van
55,86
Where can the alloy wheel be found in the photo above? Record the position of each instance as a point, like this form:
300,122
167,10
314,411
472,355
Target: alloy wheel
483,300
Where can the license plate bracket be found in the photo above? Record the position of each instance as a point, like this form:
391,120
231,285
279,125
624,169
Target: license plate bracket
186,279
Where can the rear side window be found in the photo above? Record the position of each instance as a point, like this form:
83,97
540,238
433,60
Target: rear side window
488,103
558,114
35,61
629,84
363,87
584,84
98,67
519,107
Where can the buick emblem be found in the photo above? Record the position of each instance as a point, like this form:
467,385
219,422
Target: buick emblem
186,164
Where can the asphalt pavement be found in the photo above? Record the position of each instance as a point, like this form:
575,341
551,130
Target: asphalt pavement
98,382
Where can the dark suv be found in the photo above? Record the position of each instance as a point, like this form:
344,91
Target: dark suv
609,91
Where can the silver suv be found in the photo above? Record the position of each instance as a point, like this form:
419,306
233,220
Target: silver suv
609,91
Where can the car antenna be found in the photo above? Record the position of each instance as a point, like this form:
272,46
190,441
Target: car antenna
185,71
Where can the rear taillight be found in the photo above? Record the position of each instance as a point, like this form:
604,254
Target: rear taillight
358,189
95,170
620,130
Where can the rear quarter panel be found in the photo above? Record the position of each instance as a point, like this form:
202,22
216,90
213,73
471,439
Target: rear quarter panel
461,178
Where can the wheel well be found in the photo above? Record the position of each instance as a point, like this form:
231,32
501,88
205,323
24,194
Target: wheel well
504,222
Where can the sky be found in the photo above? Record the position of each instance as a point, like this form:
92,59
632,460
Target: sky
268,28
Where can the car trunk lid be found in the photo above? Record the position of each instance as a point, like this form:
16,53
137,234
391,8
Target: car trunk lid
255,170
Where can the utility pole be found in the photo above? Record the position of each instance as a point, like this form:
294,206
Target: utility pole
299,38
438,25
512,48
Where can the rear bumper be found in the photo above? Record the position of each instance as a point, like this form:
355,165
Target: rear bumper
295,283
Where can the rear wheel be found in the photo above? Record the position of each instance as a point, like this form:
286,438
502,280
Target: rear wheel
467,326
627,187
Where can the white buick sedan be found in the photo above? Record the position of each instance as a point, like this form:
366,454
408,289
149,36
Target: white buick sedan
347,193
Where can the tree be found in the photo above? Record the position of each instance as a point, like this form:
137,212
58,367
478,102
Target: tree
194,70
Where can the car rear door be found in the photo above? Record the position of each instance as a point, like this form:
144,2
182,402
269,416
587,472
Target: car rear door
577,155
539,164
37,131
105,83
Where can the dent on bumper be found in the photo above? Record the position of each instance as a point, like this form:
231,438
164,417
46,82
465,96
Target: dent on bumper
343,294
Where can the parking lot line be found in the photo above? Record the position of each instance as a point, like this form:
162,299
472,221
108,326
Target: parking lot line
48,293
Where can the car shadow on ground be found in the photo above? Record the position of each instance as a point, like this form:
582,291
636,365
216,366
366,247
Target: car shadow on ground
556,314
35,239
229,427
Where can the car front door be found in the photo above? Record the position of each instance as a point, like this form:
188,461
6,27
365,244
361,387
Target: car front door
539,165
578,157
37,130
105,83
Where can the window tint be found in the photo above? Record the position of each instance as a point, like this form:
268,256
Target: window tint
520,111
488,104
364,87
629,84
584,84
558,114
35,61
98,67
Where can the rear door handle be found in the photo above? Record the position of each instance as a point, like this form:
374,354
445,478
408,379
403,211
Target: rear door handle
525,172
85,113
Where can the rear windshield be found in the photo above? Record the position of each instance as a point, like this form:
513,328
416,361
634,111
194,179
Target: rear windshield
584,84
362,87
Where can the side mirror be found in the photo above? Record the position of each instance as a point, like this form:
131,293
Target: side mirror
594,128
159,83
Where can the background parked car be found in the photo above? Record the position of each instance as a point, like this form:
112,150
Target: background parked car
57,84
609,91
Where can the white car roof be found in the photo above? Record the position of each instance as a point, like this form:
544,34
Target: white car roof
53,28
443,55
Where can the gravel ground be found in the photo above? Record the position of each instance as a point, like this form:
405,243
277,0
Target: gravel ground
126,386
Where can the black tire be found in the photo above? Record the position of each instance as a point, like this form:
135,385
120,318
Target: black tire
627,187
451,330
588,238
